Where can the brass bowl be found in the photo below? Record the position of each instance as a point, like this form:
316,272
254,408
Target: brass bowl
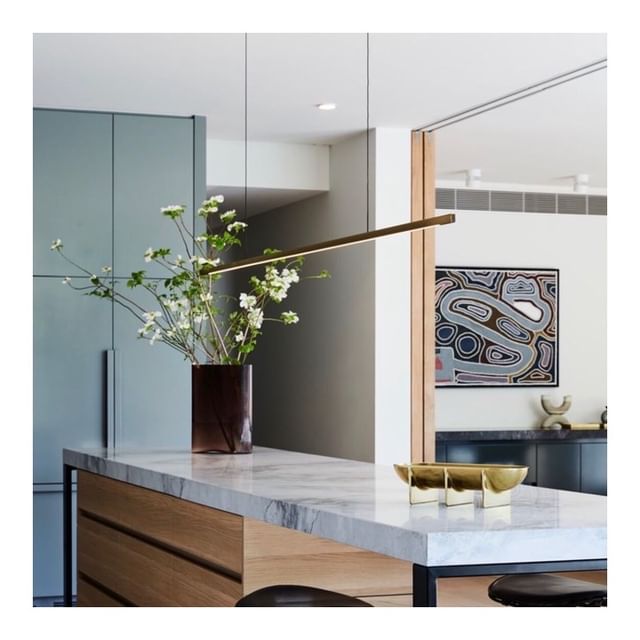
433,475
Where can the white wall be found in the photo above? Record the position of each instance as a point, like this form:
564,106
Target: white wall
270,165
391,206
574,244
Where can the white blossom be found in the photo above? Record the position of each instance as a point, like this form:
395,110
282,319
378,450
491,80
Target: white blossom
228,216
56,244
155,336
148,255
290,275
206,297
239,337
202,238
218,198
173,211
67,280
236,226
289,317
106,269
150,316
255,318
247,301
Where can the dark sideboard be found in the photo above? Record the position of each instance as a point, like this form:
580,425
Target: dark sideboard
564,459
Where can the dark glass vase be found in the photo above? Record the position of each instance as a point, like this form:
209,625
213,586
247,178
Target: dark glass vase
221,408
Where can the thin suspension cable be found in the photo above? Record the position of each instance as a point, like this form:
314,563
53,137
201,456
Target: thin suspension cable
367,131
518,94
246,113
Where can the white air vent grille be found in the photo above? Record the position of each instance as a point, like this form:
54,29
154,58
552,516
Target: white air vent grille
472,199
445,198
506,201
597,205
518,201
572,203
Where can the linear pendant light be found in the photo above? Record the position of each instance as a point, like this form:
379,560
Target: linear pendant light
346,241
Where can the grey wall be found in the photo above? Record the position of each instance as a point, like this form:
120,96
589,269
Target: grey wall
314,381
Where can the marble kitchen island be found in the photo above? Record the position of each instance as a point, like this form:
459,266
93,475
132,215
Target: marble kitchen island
241,522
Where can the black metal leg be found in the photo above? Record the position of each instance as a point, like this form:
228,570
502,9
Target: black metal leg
424,587
425,578
67,550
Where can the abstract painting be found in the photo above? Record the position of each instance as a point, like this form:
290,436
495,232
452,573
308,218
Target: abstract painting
496,327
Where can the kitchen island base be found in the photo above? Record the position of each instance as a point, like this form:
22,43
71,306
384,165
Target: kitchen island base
138,547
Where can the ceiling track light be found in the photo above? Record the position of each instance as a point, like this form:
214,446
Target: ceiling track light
358,238
327,106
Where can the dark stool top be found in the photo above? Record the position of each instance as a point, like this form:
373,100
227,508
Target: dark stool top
287,595
545,590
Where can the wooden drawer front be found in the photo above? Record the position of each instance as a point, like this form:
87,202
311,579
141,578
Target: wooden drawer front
91,596
145,575
212,535
275,555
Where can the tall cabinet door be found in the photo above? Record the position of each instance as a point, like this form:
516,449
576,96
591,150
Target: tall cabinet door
72,187
72,182
72,334
154,166
72,198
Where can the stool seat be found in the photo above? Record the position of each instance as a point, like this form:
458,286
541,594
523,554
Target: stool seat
288,595
545,590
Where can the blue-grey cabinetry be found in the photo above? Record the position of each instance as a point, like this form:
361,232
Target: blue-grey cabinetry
572,461
99,182
72,189
153,167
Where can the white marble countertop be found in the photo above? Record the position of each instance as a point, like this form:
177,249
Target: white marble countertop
366,505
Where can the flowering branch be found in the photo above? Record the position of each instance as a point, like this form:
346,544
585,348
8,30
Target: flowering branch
186,316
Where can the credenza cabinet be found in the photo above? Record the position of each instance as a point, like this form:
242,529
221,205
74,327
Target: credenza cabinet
573,464
99,181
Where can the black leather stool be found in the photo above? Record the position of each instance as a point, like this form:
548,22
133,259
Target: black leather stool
288,595
545,590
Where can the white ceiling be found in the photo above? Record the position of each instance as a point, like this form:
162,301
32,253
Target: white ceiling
414,79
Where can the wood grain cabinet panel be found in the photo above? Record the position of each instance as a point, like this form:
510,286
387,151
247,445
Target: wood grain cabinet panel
275,555
209,534
91,596
143,548
146,575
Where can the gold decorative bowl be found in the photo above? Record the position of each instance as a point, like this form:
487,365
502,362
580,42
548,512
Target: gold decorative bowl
458,479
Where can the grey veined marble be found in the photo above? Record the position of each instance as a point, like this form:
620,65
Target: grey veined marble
366,505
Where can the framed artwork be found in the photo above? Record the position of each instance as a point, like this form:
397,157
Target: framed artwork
496,327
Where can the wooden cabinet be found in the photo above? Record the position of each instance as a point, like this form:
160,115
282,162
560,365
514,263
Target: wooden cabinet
138,547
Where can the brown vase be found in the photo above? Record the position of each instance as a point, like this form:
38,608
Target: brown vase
221,408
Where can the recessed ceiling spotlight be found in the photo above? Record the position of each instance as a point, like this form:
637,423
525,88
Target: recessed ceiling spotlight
326,106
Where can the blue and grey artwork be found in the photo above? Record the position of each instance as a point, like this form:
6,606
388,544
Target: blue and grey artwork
496,327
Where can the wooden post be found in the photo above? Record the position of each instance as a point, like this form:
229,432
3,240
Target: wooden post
423,204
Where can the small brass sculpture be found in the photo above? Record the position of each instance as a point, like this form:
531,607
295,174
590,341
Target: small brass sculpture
556,418
459,481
